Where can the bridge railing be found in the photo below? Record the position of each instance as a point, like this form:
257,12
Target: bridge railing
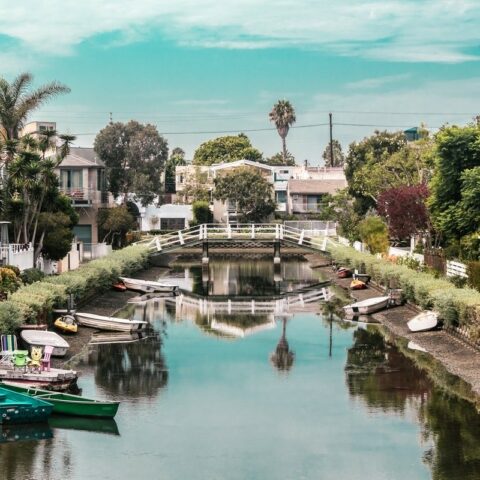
214,231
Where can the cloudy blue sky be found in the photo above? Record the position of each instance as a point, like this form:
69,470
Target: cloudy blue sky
208,66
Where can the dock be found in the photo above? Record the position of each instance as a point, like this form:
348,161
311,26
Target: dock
55,379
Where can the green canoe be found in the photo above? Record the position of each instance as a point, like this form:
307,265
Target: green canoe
16,407
68,404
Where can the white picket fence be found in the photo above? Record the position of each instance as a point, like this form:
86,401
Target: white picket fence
456,269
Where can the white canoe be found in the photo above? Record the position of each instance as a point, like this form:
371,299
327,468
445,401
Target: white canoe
365,307
113,324
423,321
147,286
38,338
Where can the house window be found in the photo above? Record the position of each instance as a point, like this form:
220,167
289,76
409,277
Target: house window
101,180
281,196
71,179
172,223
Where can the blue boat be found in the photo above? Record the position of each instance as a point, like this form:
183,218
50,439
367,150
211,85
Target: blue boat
19,408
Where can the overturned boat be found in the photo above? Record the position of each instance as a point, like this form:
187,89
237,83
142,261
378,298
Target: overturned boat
423,322
365,307
148,286
109,323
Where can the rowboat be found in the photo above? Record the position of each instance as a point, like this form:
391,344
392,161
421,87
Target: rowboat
344,273
365,307
67,404
424,321
147,286
119,287
109,323
35,338
66,324
357,285
17,407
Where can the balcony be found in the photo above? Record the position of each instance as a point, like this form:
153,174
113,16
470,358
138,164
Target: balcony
85,197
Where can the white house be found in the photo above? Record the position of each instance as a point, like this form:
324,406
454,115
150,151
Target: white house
165,217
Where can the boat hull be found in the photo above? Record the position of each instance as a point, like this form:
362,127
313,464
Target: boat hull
367,307
145,286
17,407
67,404
423,322
34,338
110,324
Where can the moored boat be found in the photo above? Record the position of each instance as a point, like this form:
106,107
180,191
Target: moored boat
147,286
68,404
423,322
344,273
357,285
109,323
365,307
17,407
36,338
66,324
119,287
362,276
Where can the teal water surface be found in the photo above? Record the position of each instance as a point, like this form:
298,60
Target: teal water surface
302,398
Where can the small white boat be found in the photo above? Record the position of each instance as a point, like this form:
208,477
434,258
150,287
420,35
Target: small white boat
424,321
365,307
113,324
147,286
415,346
42,338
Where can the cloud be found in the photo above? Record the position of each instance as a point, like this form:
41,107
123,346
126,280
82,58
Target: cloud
376,82
442,31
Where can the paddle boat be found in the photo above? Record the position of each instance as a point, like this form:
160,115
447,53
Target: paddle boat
66,324
362,276
365,307
17,407
147,286
423,322
114,324
67,404
357,285
35,338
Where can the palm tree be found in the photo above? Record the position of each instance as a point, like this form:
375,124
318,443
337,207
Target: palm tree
67,141
17,100
283,115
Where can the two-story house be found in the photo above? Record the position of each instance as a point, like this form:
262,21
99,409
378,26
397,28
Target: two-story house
82,178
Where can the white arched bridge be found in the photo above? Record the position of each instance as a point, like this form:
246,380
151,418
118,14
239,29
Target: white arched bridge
232,234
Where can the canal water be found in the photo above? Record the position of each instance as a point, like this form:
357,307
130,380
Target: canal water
244,377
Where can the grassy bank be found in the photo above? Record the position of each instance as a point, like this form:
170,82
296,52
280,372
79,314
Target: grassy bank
31,303
456,306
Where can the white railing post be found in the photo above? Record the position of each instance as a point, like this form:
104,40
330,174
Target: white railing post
253,231
300,241
229,231
253,307
158,244
324,244
180,238
205,231
277,231
229,307
200,232
282,227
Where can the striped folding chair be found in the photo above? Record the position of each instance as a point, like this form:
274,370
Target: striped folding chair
8,345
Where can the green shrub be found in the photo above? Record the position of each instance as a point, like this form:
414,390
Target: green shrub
374,233
201,212
31,275
9,280
473,272
10,317
14,269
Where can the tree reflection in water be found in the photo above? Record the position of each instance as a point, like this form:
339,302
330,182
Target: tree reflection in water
387,380
133,370
282,358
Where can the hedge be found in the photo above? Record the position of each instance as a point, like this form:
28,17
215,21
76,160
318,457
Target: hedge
456,306
31,303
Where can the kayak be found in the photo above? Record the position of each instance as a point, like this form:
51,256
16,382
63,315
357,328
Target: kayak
68,404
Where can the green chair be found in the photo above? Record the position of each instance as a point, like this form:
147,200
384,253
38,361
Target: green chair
20,359
8,345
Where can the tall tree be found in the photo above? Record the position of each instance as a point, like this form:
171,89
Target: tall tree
177,158
248,191
18,100
338,156
226,149
278,160
134,155
283,115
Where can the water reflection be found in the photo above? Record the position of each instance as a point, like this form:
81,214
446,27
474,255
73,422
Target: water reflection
386,380
97,425
237,277
282,358
133,370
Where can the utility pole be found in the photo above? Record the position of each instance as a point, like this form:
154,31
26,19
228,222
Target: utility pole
331,139
111,118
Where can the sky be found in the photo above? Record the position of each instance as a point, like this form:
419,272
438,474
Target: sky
198,68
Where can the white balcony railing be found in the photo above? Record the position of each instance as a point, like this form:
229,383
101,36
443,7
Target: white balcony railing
17,254
85,196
